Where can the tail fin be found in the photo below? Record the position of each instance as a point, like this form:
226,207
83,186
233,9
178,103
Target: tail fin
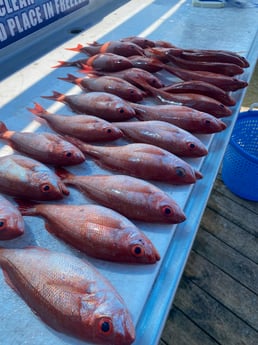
26,207
76,49
3,128
62,64
57,96
86,69
38,110
70,78
63,173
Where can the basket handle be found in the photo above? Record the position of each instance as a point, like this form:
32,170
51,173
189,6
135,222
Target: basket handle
252,106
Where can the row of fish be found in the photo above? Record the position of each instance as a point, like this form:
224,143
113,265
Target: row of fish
66,292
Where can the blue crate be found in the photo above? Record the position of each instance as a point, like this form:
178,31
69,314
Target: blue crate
240,162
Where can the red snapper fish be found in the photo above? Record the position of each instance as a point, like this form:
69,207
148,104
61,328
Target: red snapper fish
25,177
225,82
165,135
107,62
141,160
46,147
98,231
134,198
101,104
130,74
193,100
113,85
11,220
69,295
202,88
87,128
115,47
190,119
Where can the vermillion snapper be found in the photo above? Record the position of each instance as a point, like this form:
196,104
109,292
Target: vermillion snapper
95,230
25,177
68,294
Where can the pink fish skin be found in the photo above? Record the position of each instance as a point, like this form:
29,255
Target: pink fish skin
105,83
87,128
130,196
165,135
25,177
98,231
141,160
101,104
192,120
47,148
11,220
69,295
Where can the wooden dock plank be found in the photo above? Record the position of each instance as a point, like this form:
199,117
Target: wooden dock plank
230,233
237,213
240,300
180,330
212,317
229,260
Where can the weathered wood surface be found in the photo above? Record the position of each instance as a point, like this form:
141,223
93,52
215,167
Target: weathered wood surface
217,299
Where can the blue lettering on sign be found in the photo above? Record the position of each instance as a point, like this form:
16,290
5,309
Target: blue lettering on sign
18,18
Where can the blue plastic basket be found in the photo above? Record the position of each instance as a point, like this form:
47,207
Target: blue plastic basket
240,163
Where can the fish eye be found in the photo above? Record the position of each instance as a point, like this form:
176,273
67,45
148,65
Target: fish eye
2,224
137,251
68,154
121,111
207,122
166,210
180,171
45,187
108,130
105,326
191,146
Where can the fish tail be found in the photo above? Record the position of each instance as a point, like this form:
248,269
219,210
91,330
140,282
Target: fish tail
57,96
78,48
70,78
38,110
86,69
63,173
3,128
63,64
27,208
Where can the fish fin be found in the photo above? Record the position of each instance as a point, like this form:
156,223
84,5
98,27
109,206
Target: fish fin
78,48
63,64
198,174
62,173
70,78
3,128
86,68
57,96
37,110
25,207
